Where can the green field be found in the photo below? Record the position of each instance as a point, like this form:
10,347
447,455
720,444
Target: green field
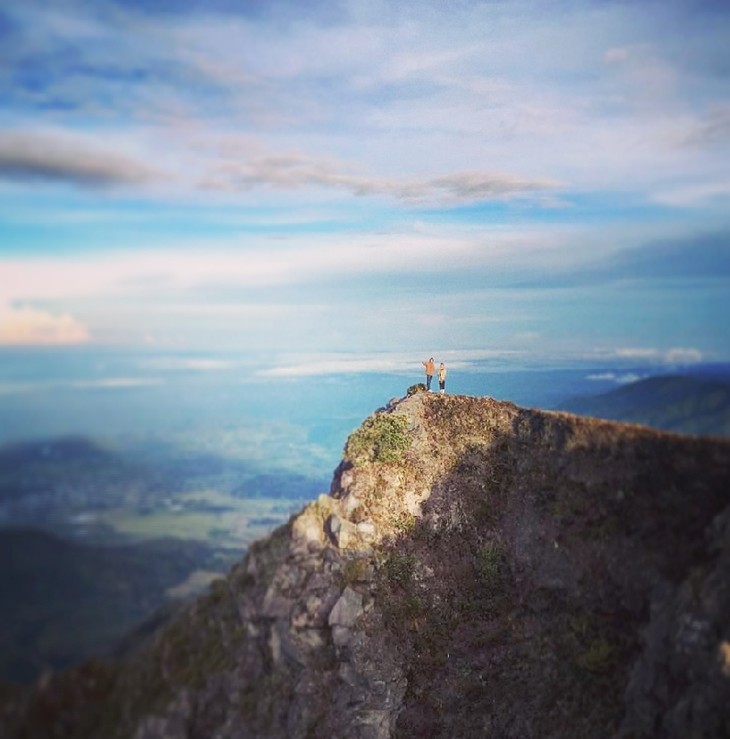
205,515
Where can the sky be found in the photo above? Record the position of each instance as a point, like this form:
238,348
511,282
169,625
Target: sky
351,184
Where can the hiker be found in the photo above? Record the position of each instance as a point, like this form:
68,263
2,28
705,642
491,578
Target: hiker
442,378
430,367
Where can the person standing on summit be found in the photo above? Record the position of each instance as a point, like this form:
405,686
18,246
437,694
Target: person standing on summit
442,378
430,369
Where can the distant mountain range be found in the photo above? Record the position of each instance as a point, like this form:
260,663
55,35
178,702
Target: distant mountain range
688,405
63,601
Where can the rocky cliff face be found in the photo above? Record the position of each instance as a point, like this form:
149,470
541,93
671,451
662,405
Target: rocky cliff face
476,570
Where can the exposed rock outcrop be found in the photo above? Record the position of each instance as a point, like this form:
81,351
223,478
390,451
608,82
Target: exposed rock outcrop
477,570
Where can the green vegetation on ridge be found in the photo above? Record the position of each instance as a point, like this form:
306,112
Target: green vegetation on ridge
382,437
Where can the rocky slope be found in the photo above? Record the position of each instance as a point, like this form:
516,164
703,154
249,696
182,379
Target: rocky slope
477,570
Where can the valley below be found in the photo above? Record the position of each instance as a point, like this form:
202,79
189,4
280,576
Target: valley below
97,540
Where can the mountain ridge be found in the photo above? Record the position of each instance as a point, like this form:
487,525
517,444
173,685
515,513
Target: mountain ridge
477,569
679,403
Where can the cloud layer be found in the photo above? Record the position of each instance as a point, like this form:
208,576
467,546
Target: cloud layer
421,103
367,176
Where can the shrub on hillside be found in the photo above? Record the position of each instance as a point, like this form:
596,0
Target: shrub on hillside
381,438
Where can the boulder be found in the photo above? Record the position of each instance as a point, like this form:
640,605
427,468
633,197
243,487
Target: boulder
347,610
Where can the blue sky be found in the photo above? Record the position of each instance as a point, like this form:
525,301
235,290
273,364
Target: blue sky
377,180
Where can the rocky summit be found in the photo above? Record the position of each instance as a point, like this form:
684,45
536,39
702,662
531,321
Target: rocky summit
477,570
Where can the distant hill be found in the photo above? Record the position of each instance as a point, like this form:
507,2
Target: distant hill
63,602
687,405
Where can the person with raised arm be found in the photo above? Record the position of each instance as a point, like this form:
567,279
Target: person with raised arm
430,369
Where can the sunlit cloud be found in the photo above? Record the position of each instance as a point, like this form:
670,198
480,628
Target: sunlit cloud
28,326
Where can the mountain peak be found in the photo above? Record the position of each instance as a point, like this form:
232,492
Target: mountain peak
477,569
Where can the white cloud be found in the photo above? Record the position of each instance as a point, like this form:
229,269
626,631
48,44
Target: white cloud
635,352
116,382
396,363
201,364
619,378
19,388
246,165
680,355
616,55
675,355
28,326
710,129
599,377
258,262
315,366
694,195
108,383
